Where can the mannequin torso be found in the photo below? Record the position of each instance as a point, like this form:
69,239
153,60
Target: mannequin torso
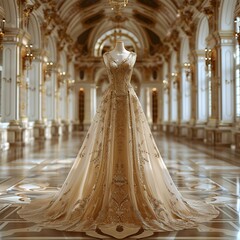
119,53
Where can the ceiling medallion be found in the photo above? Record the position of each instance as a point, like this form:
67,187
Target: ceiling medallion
117,5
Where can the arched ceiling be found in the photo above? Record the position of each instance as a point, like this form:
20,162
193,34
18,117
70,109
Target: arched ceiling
149,20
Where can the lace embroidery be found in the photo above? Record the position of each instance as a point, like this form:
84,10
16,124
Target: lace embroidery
118,176
97,155
119,203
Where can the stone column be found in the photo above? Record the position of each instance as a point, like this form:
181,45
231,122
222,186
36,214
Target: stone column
13,106
178,87
70,107
36,79
148,104
174,102
4,144
89,103
221,58
226,90
170,97
165,99
10,95
218,130
63,115
70,99
184,102
56,129
199,90
227,79
160,106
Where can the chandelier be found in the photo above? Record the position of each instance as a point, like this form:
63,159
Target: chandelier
187,67
117,5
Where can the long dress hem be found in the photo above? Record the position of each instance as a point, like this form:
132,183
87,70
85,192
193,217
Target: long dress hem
118,179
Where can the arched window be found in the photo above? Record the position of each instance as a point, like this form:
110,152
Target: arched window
154,105
81,107
108,39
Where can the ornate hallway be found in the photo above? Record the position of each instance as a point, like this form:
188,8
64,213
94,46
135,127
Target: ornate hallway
40,169
186,76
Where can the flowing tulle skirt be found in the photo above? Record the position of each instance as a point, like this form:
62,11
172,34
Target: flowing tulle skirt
118,179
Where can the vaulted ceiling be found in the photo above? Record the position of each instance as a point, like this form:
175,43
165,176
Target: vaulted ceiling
148,20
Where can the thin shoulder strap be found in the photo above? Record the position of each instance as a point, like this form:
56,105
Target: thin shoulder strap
105,58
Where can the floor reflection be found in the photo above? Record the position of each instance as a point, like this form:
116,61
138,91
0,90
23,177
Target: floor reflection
39,170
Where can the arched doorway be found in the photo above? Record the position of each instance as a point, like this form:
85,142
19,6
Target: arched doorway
81,109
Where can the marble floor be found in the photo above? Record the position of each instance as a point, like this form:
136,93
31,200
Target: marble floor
40,169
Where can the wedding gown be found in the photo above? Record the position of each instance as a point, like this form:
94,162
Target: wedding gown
118,179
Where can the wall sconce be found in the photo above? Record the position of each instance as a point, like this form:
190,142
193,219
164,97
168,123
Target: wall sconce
237,33
2,32
165,85
62,77
49,69
175,79
187,67
28,57
70,84
208,57
62,74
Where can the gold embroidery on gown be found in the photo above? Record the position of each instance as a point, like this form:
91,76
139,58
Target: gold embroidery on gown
118,178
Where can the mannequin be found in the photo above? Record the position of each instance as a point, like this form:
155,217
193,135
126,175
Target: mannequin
118,185
119,53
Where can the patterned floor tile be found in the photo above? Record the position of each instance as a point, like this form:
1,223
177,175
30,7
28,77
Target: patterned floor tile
31,172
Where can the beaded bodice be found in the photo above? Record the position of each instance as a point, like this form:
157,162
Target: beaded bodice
119,73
